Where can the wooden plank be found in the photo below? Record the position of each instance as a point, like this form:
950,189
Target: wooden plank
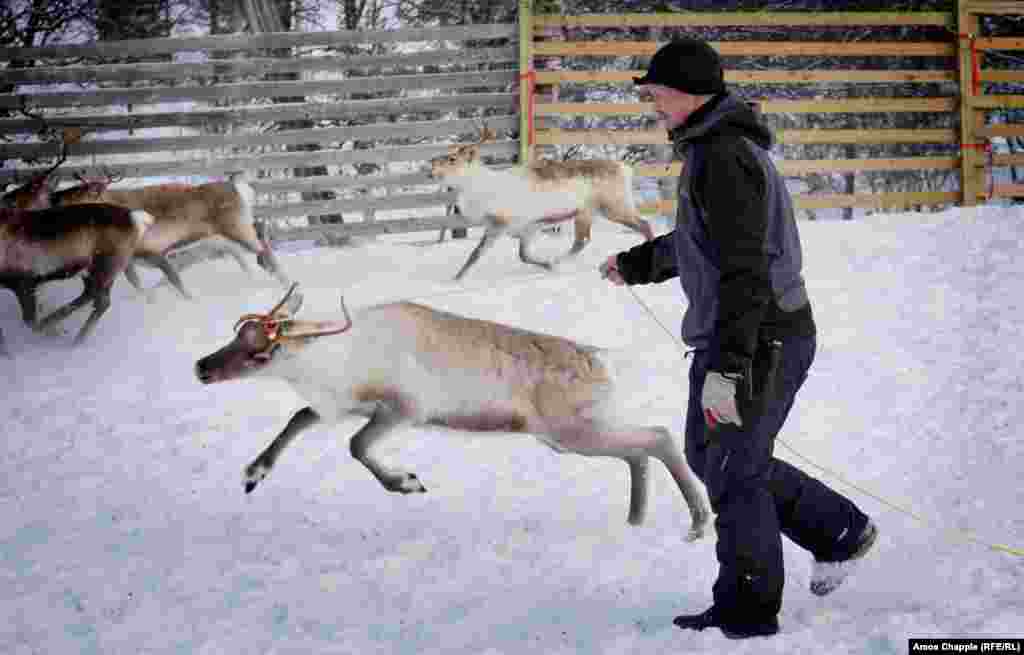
1000,43
261,41
402,201
372,228
1000,130
848,106
249,114
652,137
321,136
339,182
255,66
752,48
995,7
1002,76
832,201
769,76
765,76
746,18
867,136
1007,160
227,165
253,90
1008,191
876,200
791,167
997,102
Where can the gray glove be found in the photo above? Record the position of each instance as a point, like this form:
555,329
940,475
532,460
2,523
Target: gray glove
718,398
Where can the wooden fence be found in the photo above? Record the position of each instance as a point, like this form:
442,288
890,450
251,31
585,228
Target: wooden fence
956,67
343,122
359,126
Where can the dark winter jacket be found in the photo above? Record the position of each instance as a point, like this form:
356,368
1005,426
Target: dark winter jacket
735,247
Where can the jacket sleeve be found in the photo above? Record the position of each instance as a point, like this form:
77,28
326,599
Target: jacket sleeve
732,191
650,262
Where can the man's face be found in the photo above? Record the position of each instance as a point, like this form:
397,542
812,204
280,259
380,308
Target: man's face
672,107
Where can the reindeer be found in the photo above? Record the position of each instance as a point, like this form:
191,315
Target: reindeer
58,243
184,215
522,200
35,194
403,364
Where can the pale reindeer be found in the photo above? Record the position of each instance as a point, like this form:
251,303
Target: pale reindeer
522,200
403,364
185,214
59,243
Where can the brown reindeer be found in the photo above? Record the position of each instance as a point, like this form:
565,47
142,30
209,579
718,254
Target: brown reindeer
184,215
35,194
58,243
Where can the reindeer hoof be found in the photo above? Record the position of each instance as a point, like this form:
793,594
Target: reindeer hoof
407,483
697,530
254,474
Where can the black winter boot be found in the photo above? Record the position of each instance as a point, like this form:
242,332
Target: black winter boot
710,618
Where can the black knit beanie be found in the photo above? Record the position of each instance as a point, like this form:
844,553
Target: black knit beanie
688,65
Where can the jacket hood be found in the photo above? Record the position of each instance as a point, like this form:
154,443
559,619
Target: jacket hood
724,115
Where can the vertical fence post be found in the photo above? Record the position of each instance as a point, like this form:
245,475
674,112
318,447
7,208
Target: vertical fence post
972,157
526,81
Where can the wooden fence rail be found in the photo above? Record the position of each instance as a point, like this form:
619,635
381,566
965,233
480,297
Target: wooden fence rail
329,133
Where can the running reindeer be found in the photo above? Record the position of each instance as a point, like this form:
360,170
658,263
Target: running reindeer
35,194
522,200
403,364
58,243
218,212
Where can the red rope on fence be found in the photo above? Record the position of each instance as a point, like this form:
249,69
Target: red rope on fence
530,78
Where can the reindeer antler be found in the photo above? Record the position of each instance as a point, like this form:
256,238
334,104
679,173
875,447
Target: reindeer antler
280,327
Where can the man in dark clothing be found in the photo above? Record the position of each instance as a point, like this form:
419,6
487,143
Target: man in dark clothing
736,251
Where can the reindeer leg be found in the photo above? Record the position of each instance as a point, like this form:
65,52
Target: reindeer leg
491,235
667,450
232,249
132,274
25,292
637,488
61,313
581,223
100,305
159,261
382,421
635,444
260,467
526,240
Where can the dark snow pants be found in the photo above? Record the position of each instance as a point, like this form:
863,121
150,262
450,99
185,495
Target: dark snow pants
756,496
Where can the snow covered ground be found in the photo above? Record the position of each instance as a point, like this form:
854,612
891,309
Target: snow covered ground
125,529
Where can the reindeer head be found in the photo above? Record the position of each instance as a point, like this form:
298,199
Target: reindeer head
260,338
34,194
459,157
88,190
